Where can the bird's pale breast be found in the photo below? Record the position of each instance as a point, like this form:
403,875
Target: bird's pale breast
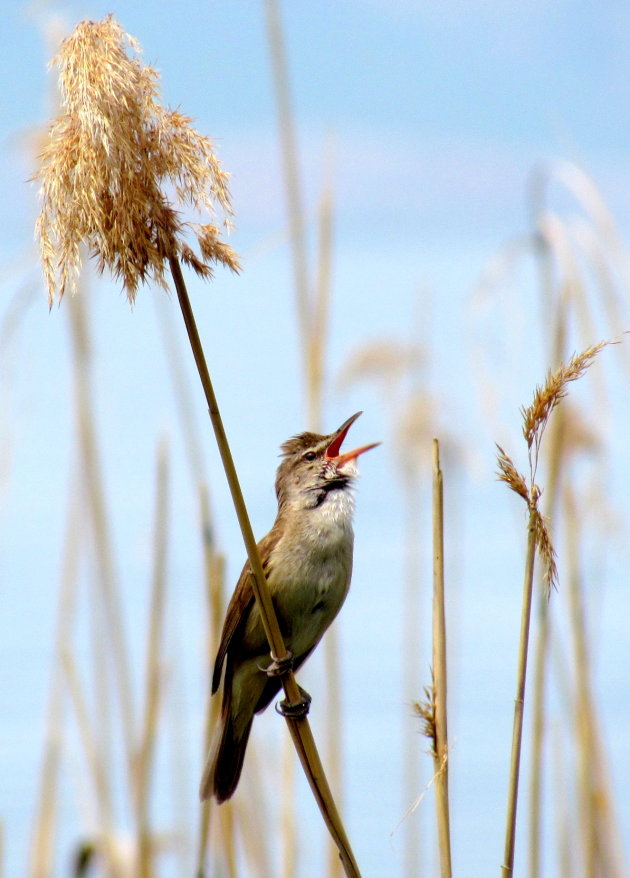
310,570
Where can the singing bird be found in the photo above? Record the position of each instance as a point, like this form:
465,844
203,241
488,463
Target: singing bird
307,559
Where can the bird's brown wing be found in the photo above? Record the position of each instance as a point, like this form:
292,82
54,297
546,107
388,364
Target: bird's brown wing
240,606
237,612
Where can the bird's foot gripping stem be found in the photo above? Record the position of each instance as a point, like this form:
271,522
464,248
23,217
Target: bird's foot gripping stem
279,667
297,710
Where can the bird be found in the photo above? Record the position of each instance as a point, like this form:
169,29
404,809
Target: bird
307,561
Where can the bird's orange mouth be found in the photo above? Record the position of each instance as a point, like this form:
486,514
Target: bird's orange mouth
333,451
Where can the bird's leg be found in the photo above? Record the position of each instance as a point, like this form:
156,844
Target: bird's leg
297,710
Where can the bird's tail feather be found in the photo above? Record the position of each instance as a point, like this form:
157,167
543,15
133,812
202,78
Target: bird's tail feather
225,760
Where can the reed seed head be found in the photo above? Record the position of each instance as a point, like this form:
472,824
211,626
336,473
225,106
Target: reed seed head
547,397
545,550
535,418
109,159
511,476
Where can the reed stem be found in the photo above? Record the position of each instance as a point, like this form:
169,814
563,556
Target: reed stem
439,671
299,728
107,586
519,703
153,678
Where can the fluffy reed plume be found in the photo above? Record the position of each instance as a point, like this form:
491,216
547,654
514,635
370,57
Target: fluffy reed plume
105,166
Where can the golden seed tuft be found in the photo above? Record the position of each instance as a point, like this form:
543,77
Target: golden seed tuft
547,397
113,161
510,475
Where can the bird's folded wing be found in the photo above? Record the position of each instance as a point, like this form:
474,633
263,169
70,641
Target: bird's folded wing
240,605
237,612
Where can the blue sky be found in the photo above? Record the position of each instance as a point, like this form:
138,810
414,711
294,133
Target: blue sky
428,118
469,95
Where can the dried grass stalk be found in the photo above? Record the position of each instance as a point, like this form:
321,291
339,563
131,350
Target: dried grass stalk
432,710
519,700
439,688
535,419
106,162
154,683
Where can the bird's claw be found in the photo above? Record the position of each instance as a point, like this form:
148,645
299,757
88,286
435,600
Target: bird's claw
297,710
279,667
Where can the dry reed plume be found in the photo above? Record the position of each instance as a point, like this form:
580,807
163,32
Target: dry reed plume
106,162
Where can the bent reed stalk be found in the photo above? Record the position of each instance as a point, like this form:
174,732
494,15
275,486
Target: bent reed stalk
299,728
103,168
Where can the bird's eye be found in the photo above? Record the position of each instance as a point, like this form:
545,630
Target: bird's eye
310,455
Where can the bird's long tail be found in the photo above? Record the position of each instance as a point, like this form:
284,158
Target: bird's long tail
225,760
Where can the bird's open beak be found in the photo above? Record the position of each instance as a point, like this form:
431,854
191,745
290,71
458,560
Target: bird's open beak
333,450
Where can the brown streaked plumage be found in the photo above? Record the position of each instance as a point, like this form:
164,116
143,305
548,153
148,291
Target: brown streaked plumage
307,559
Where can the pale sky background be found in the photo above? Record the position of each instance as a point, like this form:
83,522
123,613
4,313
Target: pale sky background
429,119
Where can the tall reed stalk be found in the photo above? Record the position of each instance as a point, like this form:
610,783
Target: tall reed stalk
432,710
519,700
389,364
108,593
440,688
299,728
571,254
145,759
535,419
96,195
601,847
42,848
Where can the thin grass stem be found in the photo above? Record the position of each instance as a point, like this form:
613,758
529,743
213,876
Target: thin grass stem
599,828
441,754
291,176
414,840
519,702
288,819
153,678
107,584
214,567
96,764
41,855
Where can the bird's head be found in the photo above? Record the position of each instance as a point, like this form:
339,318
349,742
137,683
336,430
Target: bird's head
314,465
